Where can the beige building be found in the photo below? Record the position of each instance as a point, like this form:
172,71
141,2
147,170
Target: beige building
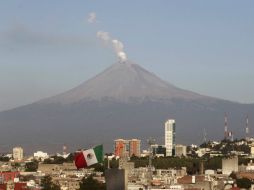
252,150
52,168
229,165
18,154
180,150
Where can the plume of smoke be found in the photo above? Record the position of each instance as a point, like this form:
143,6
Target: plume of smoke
116,44
103,36
118,47
92,17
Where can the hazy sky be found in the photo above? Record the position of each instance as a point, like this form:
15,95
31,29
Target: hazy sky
47,47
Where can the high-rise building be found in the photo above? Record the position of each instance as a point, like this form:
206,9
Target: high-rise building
134,147
170,127
127,148
18,153
121,147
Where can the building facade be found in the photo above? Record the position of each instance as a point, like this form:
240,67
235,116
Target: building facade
134,147
18,154
40,155
229,165
180,150
127,148
170,127
121,147
159,150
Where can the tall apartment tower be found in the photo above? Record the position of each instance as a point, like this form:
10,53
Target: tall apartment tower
121,147
18,153
134,147
170,127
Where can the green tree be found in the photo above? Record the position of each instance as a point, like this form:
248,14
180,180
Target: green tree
243,183
91,184
47,184
233,175
4,159
98,167
31,166
213,163
70,158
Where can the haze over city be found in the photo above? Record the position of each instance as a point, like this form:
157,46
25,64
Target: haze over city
49,47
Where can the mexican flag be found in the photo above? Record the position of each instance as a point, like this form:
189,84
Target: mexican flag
89,157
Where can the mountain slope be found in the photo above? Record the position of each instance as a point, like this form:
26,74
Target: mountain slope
122,82
124,101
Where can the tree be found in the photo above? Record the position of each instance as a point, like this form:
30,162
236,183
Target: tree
47,184
4,159
70,158
233,175
31,166
91,184
243,183
98,167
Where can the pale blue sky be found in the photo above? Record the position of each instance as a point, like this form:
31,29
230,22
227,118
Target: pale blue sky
47,47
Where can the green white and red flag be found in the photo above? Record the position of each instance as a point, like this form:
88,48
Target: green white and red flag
89,157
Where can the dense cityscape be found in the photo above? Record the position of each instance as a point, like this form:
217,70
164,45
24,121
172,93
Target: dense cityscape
212,165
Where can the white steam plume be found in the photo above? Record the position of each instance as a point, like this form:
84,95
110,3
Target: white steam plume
103,36
116,44
118,47
92,17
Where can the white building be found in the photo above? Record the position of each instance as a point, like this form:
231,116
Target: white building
41,155
18,153
170,136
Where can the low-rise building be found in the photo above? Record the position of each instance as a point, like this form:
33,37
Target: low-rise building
180,150
39,155
229,165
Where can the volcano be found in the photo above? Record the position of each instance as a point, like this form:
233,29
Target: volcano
124,82
124,101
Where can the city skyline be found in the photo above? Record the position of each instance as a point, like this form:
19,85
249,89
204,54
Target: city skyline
187,44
